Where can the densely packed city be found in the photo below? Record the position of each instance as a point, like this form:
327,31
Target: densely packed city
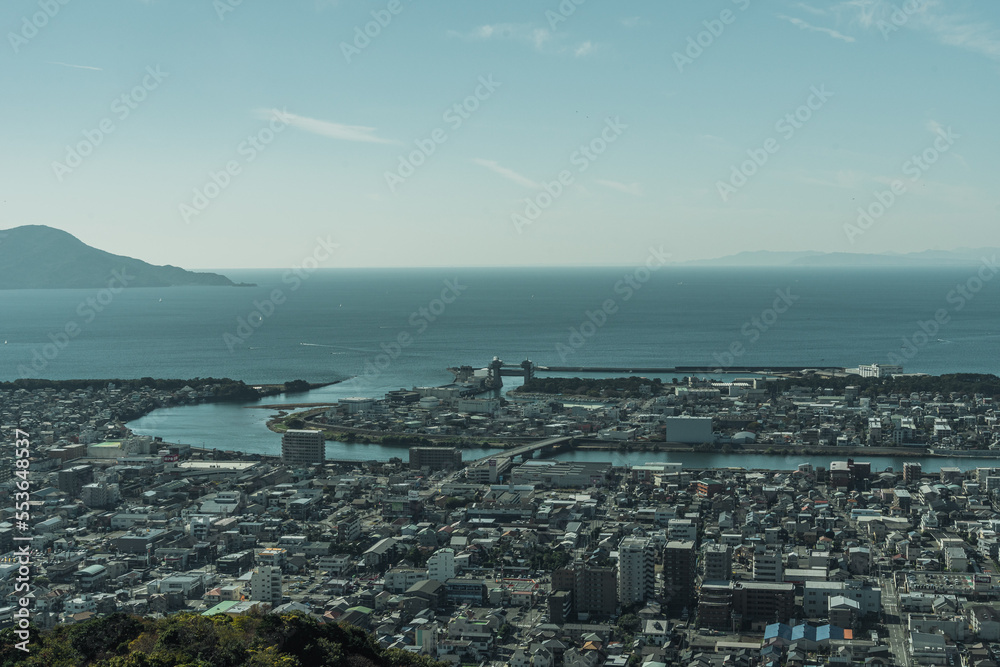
537,562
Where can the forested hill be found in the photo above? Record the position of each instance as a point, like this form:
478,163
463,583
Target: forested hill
40,257
256,640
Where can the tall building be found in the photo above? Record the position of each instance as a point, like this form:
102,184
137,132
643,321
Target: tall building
72,480
679,569
436,458
348,526
715,605
768,567
100,495
441,565
594,590
265,585
303,447
636,571
744,604
911,472
850,474
561,607
718,562
762,602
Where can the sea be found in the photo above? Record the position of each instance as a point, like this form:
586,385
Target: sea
374,330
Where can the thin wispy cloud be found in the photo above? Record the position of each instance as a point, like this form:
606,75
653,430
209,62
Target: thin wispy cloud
976,36
633,21
522,32
56,62
804,25
509,174
865,13
541,39
327,129
930,17
628,188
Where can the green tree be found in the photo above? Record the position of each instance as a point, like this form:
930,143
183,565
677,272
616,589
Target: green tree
629,624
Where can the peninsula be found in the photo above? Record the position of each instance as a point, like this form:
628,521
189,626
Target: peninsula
41,257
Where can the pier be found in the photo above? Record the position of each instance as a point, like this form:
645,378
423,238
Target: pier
689,369
498,368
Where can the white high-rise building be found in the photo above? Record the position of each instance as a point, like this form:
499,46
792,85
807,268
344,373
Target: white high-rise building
768,567
636,570
441,565
265,585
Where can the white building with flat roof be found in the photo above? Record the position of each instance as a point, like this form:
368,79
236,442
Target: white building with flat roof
357,404
879,370
441,565
265,585
636,570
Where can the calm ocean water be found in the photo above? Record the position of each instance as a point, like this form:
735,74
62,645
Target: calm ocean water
400,328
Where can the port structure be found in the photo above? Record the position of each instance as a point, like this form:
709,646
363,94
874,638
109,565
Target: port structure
498,368
495,371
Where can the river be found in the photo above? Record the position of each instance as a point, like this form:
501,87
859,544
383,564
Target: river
242,427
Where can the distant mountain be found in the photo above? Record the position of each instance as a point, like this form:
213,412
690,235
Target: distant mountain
40,257
925,259
757,258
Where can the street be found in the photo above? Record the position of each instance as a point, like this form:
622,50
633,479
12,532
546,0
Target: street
894,622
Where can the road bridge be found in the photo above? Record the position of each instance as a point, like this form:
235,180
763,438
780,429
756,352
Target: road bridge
528,450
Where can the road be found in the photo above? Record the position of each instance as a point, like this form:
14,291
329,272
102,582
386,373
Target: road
894,622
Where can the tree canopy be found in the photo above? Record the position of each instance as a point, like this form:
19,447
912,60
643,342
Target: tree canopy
259,640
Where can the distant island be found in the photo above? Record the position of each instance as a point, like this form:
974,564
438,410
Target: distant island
41,257
960,257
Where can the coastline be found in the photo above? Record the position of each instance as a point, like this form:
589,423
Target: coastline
241,394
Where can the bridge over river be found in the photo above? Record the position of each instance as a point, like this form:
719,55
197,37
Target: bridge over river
528,450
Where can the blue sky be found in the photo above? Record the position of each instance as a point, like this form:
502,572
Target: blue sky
670,119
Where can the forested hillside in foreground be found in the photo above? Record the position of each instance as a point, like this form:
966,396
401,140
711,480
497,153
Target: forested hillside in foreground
261,640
